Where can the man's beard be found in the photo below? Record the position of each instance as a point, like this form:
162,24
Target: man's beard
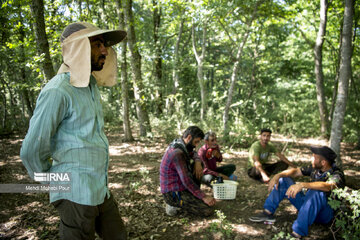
97,66
189,146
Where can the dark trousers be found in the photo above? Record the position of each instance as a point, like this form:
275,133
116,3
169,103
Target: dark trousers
79,221
188,203
269,168
227,170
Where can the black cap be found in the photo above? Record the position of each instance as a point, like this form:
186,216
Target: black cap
325,152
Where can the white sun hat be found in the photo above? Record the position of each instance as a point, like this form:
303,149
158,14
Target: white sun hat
76,52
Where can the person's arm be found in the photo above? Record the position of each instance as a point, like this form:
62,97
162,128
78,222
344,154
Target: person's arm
188,182
284,159
293,172
322,186
198,170
217,153
258,166
204,159
49,112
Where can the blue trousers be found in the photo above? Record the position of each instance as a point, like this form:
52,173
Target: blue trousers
312,206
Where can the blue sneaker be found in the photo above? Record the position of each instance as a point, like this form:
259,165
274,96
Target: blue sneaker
233,177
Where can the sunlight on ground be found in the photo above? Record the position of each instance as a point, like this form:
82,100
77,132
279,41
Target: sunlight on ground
305,141
246,229
352,173
134,149
52,219
113,186
31,205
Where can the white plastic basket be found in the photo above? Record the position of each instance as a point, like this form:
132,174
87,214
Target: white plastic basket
226,190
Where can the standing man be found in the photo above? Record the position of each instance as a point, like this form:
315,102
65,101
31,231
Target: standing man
176,176
258,166
68,127
210,154
312,206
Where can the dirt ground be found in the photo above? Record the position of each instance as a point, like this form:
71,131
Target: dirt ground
134,181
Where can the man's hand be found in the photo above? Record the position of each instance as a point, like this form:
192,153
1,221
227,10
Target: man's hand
293,190
209,200
265,178
198,170
216,153
274,182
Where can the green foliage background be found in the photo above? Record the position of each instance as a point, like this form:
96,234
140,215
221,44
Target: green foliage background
275,86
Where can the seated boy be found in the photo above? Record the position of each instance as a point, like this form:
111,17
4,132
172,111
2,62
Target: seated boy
210,154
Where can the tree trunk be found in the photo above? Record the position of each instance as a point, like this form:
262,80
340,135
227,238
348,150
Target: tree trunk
200,64
136,70
235,70
175,72
158,59
37,10
324,116
344,76
24,90
124,80
234,75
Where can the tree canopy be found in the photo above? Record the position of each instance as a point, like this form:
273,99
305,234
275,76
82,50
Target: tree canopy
230,66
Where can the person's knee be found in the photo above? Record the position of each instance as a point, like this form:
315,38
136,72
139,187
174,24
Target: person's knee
286,182
317,195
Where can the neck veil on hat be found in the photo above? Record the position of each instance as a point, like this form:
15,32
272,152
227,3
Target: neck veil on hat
76,51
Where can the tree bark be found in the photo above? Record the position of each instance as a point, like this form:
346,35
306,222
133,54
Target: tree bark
344,76
135,61
37,10
158,59
22,71
324,116
200,64
175,72
124,80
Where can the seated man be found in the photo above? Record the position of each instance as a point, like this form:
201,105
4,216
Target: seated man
209,154
312,206
176,179
258,166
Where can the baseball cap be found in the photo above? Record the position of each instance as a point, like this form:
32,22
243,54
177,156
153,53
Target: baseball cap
325,152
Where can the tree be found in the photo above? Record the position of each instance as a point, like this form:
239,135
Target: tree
344,76
37,10
176,67
141,110
324,116
124,79
157,56
236,67
200,65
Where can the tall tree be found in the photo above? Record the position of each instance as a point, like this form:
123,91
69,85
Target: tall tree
200,58
176,67
324,116
135,61
23,76
124,79
37,10
236,67
344,76
157,55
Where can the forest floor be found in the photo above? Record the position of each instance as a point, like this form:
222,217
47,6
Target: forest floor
134,181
